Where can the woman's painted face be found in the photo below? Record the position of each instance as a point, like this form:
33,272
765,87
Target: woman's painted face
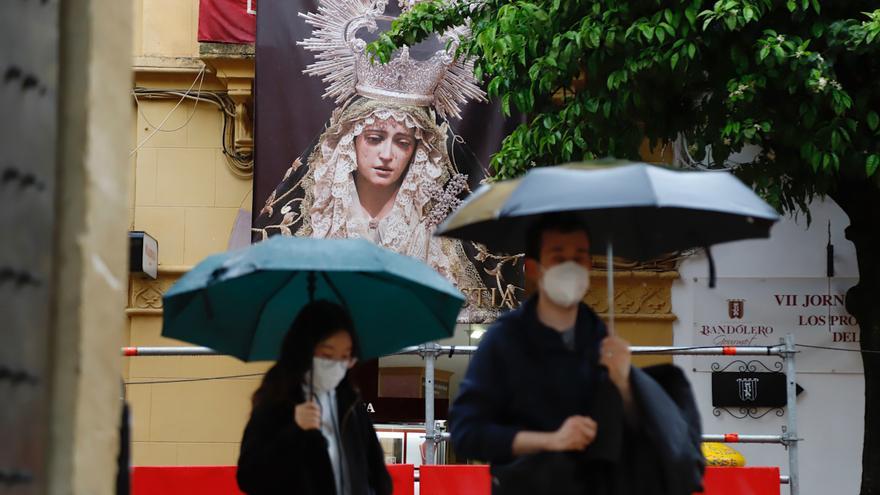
384,151
337,347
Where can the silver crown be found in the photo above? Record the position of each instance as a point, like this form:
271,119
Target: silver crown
444,80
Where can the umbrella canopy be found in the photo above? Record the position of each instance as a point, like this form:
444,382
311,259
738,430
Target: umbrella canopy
643,209
242,302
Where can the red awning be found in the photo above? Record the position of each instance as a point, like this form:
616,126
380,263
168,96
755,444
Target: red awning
228,21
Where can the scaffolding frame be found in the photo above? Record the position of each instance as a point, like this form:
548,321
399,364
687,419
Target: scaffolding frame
785,350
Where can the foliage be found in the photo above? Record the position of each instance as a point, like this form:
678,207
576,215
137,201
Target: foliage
798,78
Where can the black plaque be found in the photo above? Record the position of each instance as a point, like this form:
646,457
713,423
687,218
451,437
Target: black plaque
749,389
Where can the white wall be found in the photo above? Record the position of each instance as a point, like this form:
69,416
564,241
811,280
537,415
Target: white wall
830,411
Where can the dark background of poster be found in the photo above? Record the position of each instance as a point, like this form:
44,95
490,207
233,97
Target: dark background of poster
290,112
289,115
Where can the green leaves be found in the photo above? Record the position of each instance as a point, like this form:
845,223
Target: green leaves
873,120
597,78
871,164
421,21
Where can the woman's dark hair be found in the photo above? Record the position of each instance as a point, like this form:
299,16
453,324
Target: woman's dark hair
315,322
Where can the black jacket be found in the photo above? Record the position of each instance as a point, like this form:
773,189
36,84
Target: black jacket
523,378
277,457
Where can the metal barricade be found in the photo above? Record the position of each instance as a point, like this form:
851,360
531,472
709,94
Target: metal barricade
431,351
785,350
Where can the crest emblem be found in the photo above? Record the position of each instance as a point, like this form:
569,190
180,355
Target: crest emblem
748,389
735,308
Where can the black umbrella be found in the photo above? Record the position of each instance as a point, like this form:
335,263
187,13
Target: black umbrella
635,210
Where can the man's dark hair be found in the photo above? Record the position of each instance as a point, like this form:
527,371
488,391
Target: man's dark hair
556,222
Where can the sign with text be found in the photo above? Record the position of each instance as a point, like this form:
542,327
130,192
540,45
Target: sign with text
758,312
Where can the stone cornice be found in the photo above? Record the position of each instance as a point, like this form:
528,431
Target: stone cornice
185,65
637,295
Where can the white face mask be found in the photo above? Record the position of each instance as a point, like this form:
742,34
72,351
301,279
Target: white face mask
327,373
566,283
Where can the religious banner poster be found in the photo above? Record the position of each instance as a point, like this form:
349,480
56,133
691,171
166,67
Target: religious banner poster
227,21
348,148
759,312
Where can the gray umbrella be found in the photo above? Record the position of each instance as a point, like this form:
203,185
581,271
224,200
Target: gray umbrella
639,210
643,209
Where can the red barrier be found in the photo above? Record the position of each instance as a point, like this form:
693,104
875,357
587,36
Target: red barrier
403,478
434,480
220,480
454,480
475,480
741,481
180,480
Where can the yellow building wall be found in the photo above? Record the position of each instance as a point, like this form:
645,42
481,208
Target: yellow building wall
166,28
187,197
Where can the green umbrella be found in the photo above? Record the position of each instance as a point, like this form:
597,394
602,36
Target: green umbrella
242,302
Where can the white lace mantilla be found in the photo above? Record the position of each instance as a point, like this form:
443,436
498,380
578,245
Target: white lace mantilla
335,210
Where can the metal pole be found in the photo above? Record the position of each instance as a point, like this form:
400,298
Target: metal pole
737,438
791,403
707,437
430,355
609,271
777,350
168,351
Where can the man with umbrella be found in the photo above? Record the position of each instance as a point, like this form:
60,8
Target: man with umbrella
562,411
548,396
530,387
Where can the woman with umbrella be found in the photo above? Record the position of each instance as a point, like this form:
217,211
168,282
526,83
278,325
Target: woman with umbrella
309,432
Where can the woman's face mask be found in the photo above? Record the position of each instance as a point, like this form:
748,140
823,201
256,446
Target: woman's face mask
566,283
332,359
328,373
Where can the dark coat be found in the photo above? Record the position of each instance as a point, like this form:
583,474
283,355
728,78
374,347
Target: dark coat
277,457
523,378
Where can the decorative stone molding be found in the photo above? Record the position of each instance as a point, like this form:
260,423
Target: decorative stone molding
665,263
233,66
145,295
637,294
166,65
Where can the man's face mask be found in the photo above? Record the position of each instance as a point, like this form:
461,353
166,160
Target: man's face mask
328,373
566,283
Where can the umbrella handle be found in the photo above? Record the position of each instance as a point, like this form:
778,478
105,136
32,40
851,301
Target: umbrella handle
609,270
311,286
311,381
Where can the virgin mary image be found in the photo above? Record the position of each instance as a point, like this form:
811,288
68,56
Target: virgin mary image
386,166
